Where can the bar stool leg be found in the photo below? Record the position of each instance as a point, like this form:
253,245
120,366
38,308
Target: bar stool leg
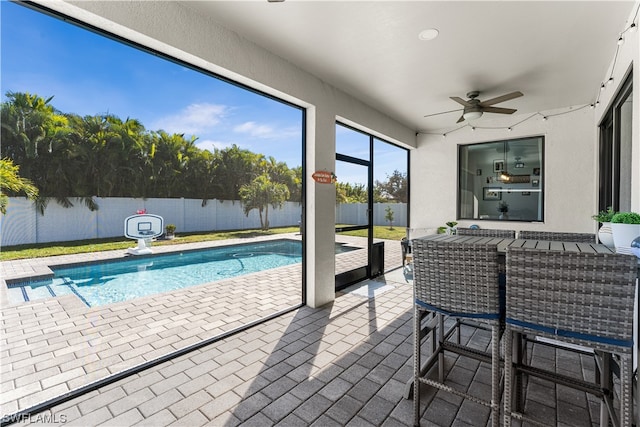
626,406
604,380
495,380
440,352
507,339
519,354
416,366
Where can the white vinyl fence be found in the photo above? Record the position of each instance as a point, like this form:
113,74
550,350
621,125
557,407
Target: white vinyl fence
356,213
24,225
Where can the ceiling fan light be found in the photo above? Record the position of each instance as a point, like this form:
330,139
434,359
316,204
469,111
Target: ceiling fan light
471,115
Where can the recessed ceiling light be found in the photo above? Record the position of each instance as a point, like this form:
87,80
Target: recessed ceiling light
429,34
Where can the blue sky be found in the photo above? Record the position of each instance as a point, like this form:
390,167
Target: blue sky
89,74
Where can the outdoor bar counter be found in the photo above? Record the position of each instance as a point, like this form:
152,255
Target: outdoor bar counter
606,364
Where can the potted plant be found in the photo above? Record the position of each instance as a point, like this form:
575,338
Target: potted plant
625,227
170,230
451,227
503,208
604,233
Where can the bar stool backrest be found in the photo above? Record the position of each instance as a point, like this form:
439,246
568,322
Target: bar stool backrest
582,298
558,236
486,232
457,278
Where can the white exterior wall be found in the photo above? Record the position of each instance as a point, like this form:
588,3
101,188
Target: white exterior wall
571,158
570,190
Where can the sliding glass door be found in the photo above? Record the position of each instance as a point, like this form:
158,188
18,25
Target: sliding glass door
353,231
372,195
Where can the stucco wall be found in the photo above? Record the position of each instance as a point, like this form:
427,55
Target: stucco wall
569,184
571,157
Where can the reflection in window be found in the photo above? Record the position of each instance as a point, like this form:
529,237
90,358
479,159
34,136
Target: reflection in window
502,180
615,151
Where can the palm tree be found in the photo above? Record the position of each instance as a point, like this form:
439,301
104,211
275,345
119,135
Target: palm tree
261,193
30,127
11,181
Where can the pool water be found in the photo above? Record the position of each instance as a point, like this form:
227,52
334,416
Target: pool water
134,277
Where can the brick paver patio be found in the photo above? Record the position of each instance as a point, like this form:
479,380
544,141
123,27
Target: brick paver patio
55,345
346,363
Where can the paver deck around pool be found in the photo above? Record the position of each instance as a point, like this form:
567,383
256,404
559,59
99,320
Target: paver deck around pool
55,345
346,363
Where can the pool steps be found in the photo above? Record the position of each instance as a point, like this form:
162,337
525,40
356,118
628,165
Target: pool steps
25,293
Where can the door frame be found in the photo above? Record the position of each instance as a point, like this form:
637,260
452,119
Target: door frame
363,272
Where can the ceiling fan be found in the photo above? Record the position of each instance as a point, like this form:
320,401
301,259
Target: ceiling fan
474,108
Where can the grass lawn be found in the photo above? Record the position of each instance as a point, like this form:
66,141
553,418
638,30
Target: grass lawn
97,245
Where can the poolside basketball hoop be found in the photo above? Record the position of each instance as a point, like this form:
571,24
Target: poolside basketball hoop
141,228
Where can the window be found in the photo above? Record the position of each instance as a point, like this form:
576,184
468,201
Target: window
615,152
502,180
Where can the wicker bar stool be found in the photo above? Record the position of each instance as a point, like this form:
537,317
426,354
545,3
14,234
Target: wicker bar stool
406,250
576,298
557,236
460,281
486,232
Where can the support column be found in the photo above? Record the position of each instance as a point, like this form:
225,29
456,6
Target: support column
320,209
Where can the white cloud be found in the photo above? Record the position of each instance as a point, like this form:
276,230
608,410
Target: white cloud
211,145
254,129
195,119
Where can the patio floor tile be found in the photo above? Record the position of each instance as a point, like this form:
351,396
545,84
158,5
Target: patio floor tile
346,363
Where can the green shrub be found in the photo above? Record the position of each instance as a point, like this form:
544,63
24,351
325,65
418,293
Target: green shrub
604,216
626,218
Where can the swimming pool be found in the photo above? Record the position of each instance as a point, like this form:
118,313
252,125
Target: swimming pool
125,279
109,282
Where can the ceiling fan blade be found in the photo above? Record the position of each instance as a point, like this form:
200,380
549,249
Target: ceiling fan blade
502,98
444,112
461,119
461,101
499,110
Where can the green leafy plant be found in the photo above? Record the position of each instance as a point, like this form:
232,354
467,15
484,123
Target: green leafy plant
389,216
170,228
626,218
451,228
442,230
604,216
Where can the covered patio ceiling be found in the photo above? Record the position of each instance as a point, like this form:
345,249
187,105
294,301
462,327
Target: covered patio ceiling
555,52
